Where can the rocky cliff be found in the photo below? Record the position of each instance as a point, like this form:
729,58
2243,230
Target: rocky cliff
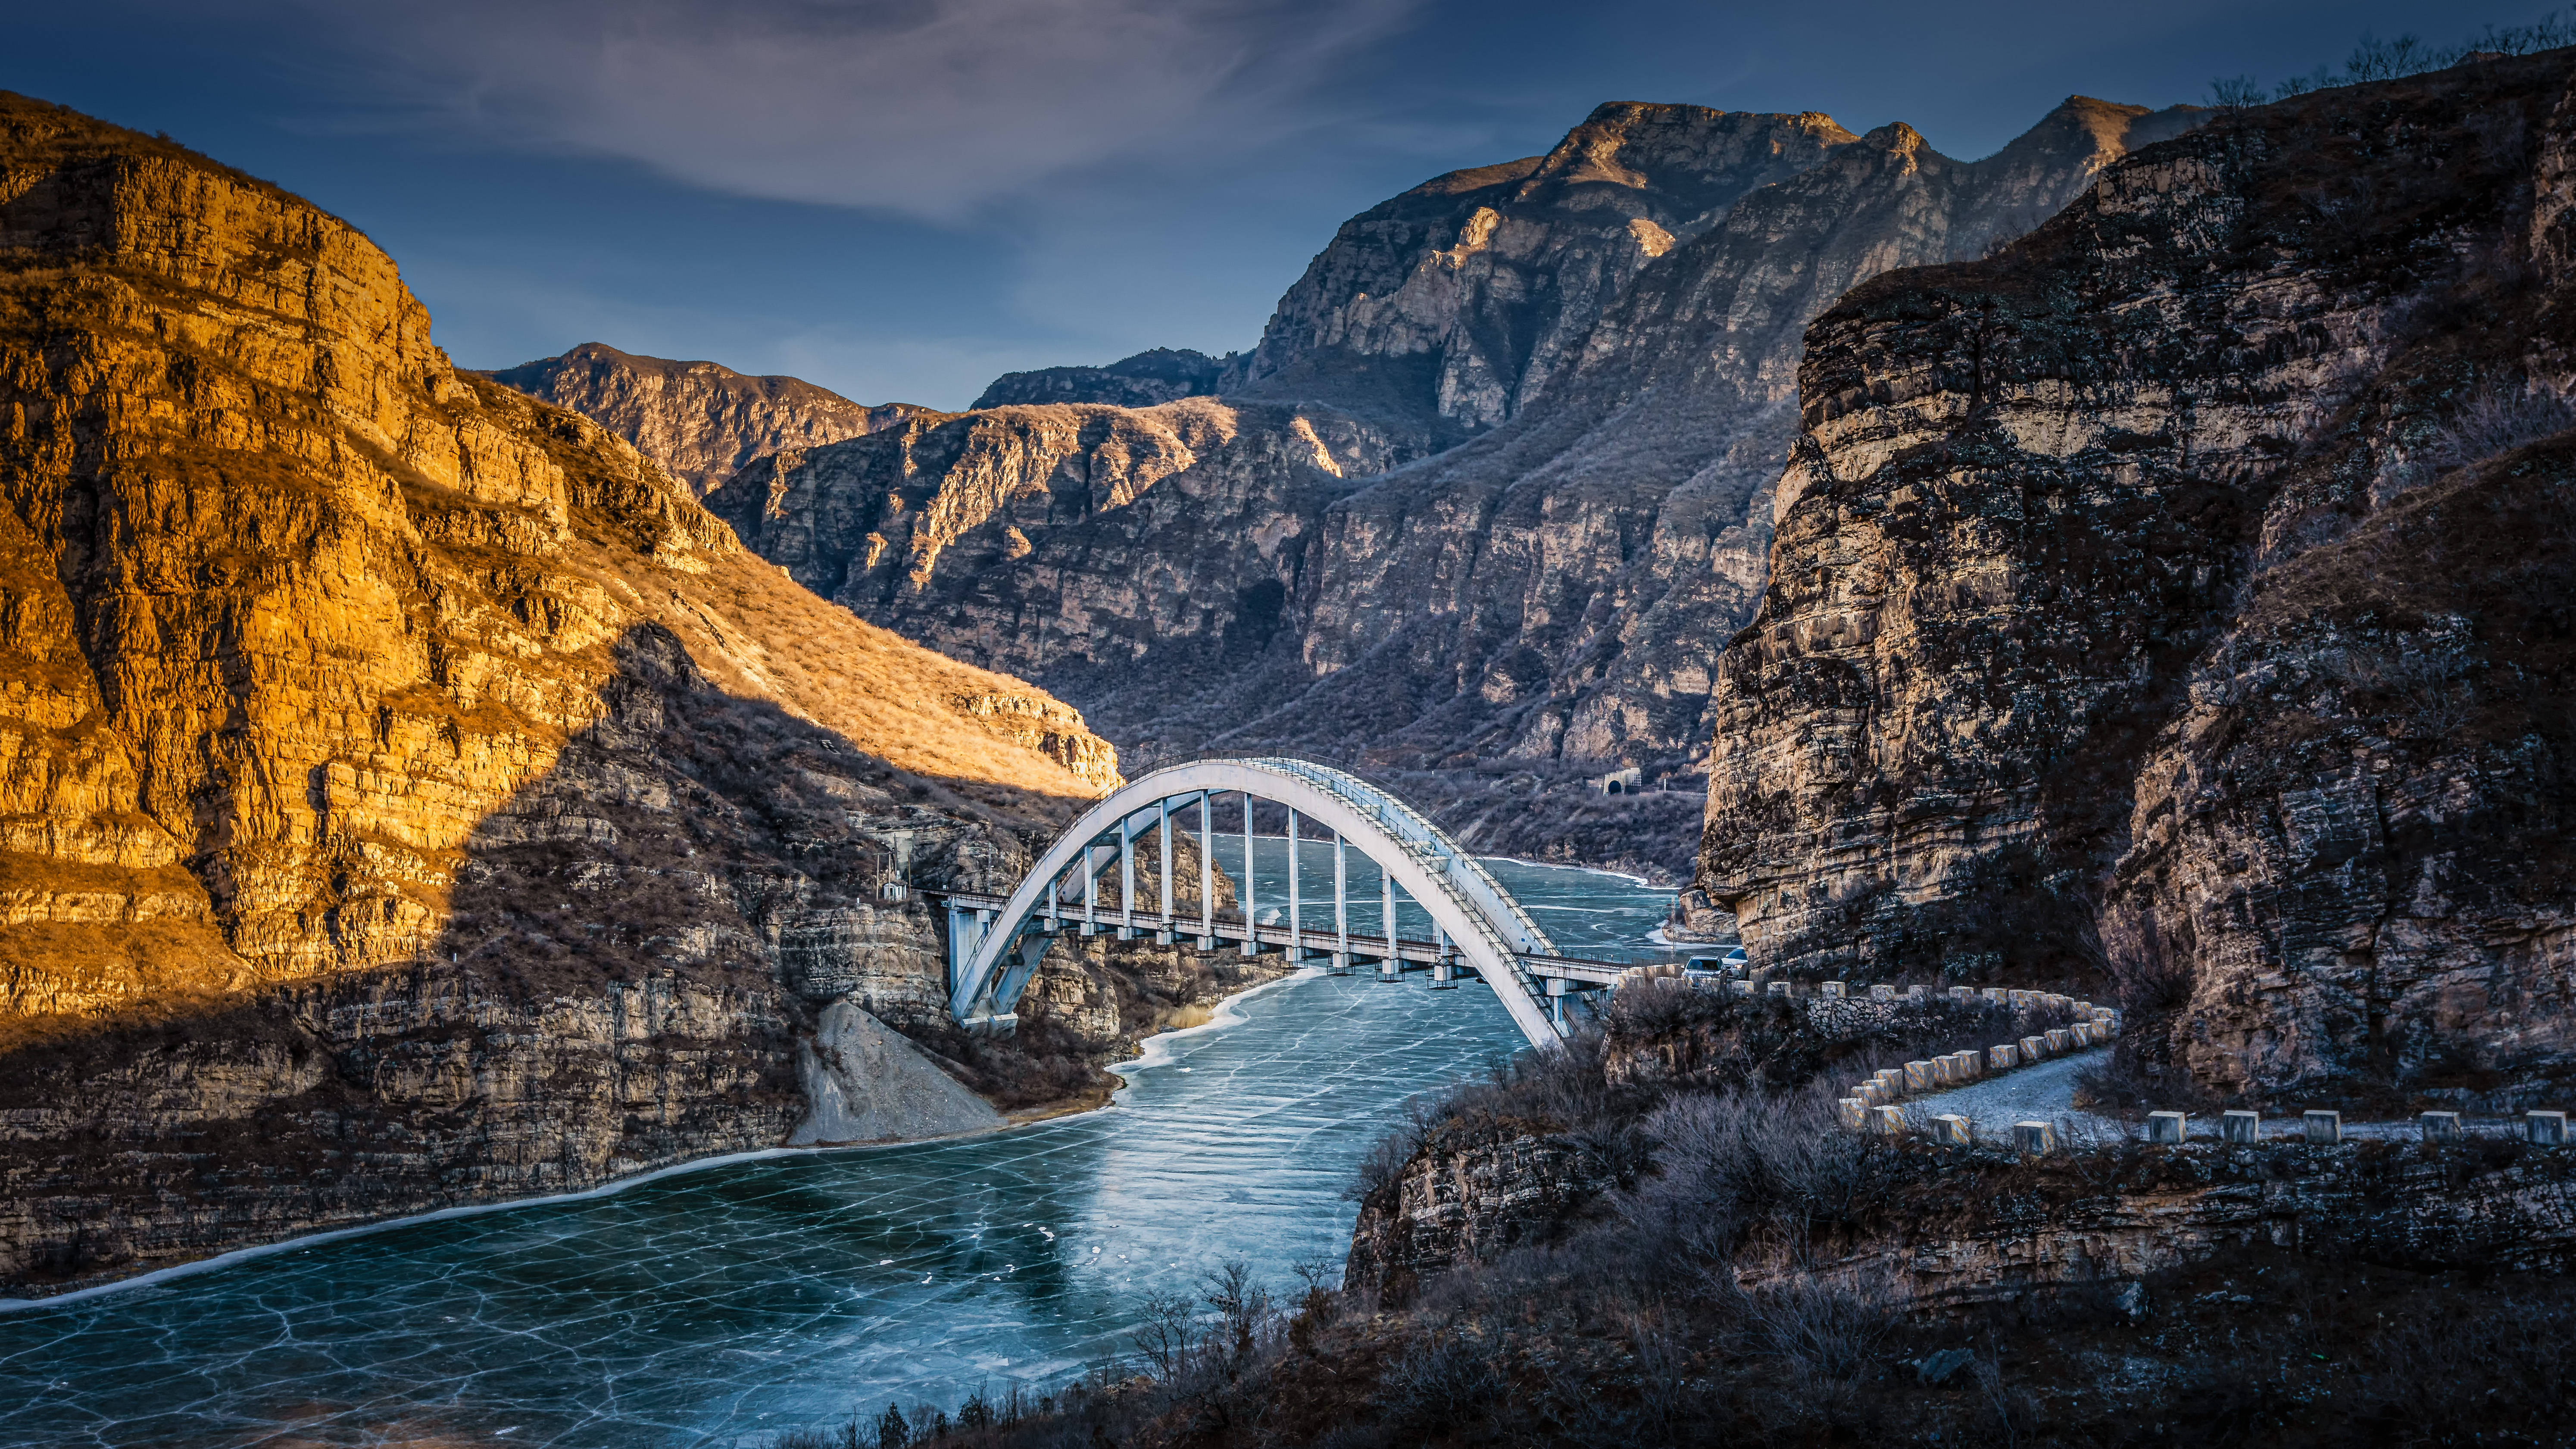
699,421
410,796
1508,615
1161,375
2176,596
1462,297
1127,554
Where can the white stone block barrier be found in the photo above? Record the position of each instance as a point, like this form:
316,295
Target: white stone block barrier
2168,1126
2440,1127
2034,1049
1891,1121
2241,1128
2003,1058
2034,1139
1952,1130
2324,1129
1853,1113
1919,1078
2545,1129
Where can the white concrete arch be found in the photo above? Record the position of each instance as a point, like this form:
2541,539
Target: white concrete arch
994,948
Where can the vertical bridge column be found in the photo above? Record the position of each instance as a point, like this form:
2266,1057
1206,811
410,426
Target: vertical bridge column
1127,877
1296,919
1090,892
1163,826
1390,967
1251,925
1207,871
1341,903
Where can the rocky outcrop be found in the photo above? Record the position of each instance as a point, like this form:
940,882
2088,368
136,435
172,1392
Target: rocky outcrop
699,421
1159,375
2098,640
408,796
1468,1196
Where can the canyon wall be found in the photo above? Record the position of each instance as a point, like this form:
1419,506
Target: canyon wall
699,421
408,795
1621,318
2174,597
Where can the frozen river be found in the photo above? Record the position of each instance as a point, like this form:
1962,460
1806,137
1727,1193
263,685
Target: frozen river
718,1304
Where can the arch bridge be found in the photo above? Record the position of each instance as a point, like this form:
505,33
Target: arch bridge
1477,929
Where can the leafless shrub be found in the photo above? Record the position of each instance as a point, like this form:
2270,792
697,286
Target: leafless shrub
1738,1167
2374,59
2491,422
2424,684
2011,1411
1441,1378
1828,1328
1243,1311
2234,93
1166,1334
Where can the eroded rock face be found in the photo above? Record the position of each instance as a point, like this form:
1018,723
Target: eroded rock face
1550,591
393,766
699,421
1463,296
1471,1197
1108,549
2095,640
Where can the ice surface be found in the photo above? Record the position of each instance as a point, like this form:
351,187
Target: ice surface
718,1306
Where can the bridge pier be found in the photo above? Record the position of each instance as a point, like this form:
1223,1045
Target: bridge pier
1296,920
1127,877
1341,904
1207,870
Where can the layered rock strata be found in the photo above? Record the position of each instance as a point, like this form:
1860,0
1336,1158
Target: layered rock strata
2172,597
408,796
699,421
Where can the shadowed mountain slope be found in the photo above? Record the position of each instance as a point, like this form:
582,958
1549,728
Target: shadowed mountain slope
408,795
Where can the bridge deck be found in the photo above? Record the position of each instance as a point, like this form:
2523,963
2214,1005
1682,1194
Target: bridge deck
1407,948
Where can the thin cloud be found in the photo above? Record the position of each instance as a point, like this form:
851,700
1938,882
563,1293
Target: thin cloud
933,108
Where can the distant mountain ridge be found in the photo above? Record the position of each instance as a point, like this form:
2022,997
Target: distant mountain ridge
1159,375
699,420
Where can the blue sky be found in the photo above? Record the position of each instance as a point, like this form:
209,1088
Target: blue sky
899,199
